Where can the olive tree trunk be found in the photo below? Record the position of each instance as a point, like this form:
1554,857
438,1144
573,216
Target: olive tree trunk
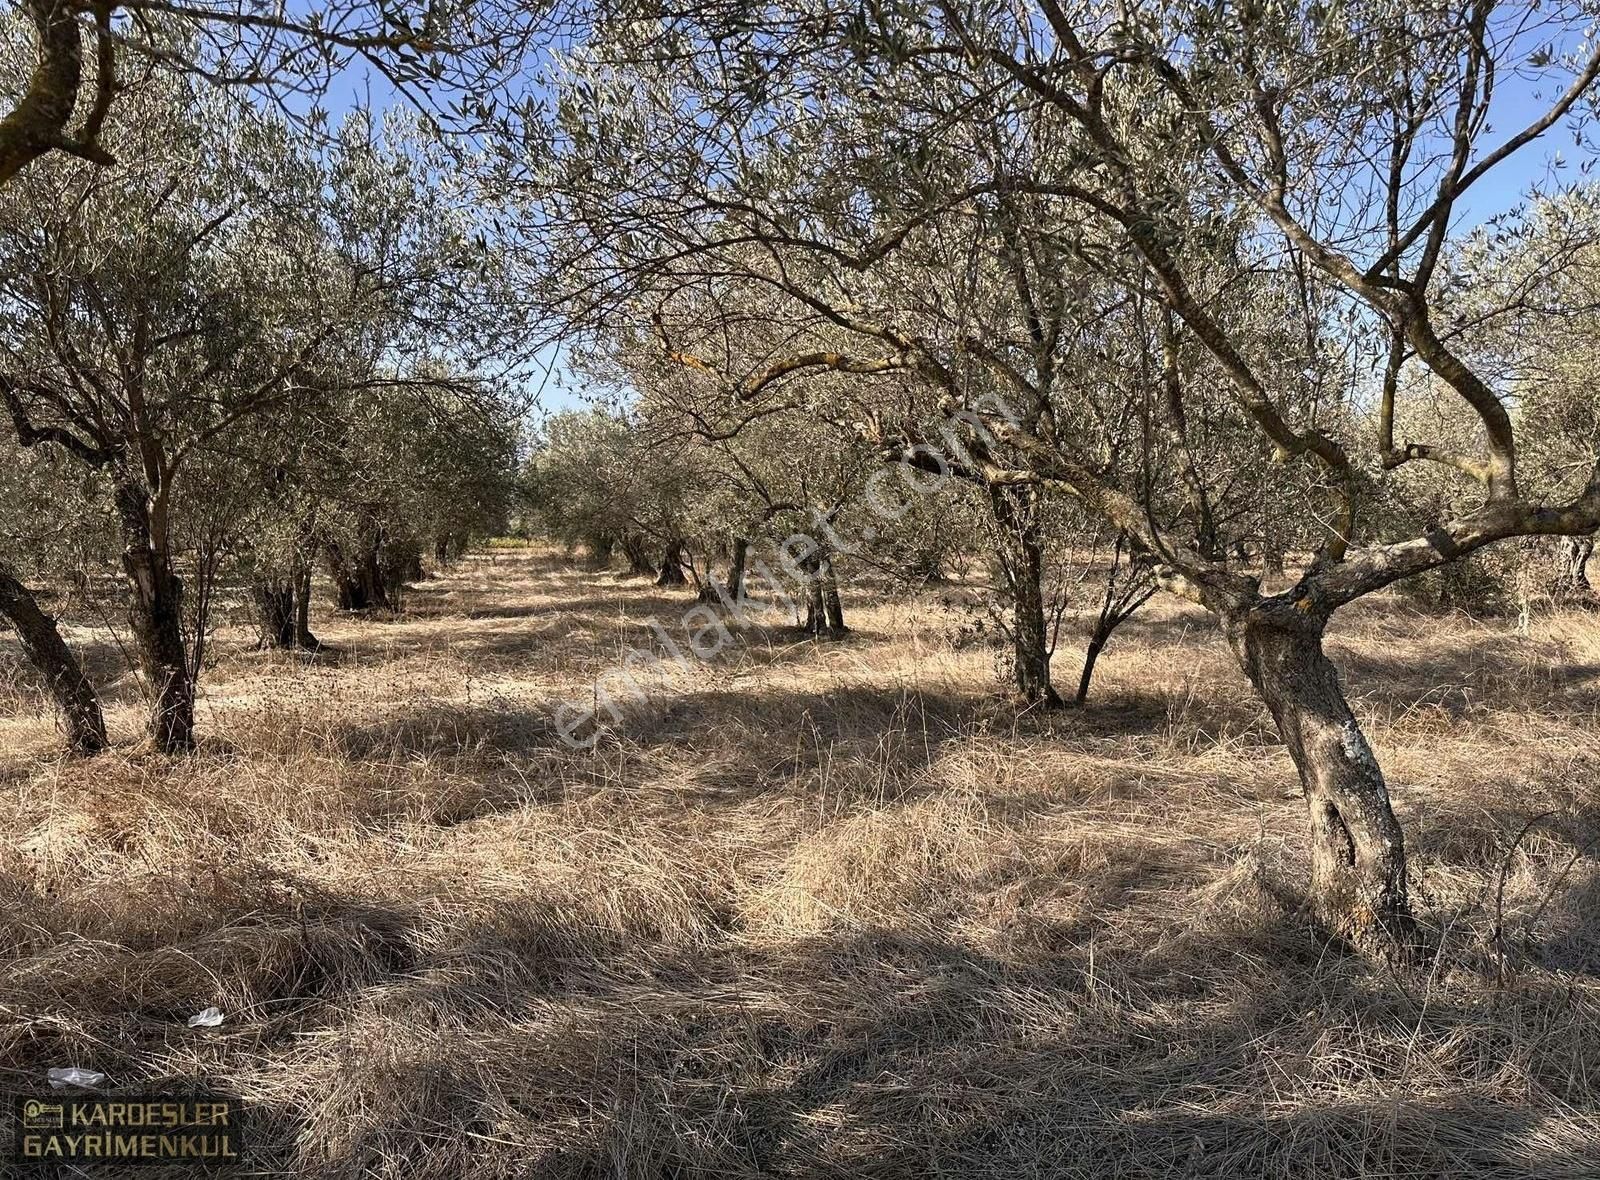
302,611
283,610
1572,566
155,614
359,579
671,573
735,581
275,615
832,605
1358,858
633,548
42,644
1021,556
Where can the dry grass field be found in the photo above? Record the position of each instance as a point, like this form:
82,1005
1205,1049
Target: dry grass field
814,909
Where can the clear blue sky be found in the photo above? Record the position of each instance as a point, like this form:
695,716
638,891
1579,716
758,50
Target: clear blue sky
1517,103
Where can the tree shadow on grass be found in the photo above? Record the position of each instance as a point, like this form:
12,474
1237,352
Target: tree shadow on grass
382,1038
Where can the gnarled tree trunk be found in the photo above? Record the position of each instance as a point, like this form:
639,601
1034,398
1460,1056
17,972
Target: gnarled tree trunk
359,581
633,548
275,613
1572,566
832,606
735,580
155,613
671,573
1358,859
283,610
1021,556
74,696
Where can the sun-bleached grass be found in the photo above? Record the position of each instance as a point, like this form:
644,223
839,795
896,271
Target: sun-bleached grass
817,909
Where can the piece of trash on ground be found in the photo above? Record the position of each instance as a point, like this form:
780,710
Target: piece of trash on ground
73,1076
210,1018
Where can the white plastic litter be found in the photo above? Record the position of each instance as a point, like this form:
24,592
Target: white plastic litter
60,1079
210,1018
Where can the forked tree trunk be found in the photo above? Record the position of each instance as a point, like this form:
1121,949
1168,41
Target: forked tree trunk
283,611
633,548
74,696
1358,858
824,609
1128,587
155,614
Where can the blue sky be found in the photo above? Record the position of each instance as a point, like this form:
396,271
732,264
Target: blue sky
1517,103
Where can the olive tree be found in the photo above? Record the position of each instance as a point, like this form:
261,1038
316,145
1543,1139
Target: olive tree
1151,166
148,315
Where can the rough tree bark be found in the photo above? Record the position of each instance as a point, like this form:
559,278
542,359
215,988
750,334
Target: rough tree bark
275,614
283,610
1358,862
42,644
38,123
671,573
734,585
155,613
359,583
633,548
832,606
1021,554
1572,566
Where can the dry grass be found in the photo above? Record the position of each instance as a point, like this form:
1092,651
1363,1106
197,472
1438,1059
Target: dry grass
816,910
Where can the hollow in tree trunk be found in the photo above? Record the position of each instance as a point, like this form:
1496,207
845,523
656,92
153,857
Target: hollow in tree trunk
1358,859
42,644
155,614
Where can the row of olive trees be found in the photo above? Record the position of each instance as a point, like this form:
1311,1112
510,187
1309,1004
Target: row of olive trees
248,347
1192,267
